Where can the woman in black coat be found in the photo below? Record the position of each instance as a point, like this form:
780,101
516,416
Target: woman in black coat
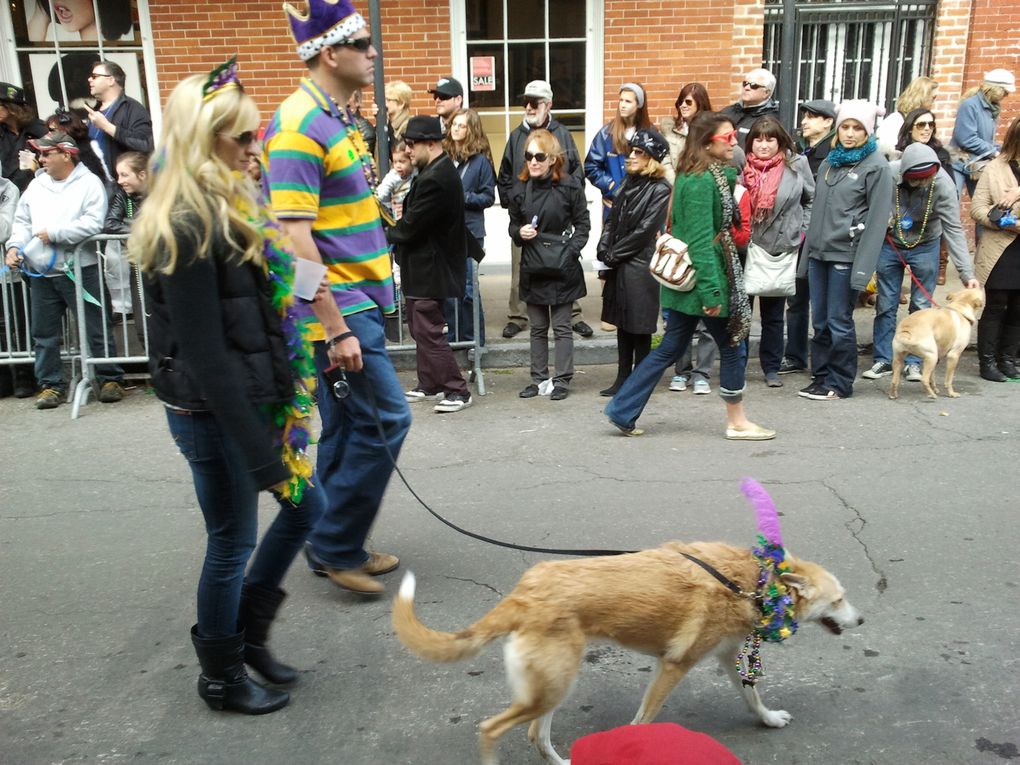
546,200
628,241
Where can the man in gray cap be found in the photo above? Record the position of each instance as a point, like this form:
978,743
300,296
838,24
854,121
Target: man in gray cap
430,242
817,127
538,101
448,95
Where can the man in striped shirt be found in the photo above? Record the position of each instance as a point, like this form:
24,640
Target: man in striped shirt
320,181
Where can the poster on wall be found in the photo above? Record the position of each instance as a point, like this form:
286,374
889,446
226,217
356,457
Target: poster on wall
74,21
76,67
483,73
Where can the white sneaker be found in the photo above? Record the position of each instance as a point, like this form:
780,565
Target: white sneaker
912,372
878,369
701,387
417,394
679,382
453,403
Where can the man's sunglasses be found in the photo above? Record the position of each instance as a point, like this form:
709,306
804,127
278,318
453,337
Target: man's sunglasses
752,85
441,96
532,103
929,124
361,44
538,156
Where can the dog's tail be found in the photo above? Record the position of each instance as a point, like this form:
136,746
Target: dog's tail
445,646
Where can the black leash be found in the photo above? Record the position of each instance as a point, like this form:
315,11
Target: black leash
594,553
726,582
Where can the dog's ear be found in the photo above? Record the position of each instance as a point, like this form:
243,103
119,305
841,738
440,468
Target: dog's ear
801,584
950,297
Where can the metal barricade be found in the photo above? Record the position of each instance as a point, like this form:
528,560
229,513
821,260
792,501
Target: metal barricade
403,342
17,346
130,338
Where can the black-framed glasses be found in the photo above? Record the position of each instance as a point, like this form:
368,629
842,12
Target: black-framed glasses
360,44
97,75
925,124
539,156
752,85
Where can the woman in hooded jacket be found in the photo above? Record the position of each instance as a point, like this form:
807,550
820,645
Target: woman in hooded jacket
626,246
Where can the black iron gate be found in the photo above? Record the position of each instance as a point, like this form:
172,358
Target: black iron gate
849,49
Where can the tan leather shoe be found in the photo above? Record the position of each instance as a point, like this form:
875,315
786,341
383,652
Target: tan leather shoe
380,563
354,580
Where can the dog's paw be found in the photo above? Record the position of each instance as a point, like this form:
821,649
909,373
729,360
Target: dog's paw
776,718
952,394
893,396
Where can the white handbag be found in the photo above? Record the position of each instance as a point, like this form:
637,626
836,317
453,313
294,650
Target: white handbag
768,275
671,265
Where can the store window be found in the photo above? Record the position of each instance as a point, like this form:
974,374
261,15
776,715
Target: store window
510,43
57,42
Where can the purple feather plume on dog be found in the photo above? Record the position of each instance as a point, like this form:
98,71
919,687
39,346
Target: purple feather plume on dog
765,509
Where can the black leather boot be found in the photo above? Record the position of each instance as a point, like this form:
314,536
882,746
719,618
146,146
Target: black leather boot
612,390
224,684
1008,342
258,609
989,332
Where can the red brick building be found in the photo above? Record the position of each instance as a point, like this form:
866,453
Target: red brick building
585,48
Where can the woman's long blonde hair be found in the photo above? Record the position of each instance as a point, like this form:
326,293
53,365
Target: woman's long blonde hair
919,94
189,185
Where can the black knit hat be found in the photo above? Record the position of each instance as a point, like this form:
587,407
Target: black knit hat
651,143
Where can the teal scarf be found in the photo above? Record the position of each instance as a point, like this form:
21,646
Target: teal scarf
841,157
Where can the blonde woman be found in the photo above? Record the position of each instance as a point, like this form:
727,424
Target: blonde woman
398,109
919,94
232,369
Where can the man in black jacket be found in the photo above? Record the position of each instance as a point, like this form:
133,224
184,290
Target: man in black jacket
431,245
119,122
538,101
755,101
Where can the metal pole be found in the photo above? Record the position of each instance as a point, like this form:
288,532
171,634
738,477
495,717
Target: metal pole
382,137
788,67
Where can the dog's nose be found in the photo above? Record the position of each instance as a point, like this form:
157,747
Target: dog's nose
860,620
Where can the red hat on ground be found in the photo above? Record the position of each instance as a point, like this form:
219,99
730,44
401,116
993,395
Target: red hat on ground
655,744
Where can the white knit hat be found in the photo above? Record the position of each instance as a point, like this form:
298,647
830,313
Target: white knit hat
862,111
1001,78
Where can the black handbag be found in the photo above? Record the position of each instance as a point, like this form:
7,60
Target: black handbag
546,255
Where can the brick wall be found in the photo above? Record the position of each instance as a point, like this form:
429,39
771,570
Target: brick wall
664,44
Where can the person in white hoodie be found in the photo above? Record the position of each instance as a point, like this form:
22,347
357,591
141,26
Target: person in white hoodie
65,204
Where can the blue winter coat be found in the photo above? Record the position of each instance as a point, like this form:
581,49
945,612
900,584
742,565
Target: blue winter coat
974,130
479,180
605,168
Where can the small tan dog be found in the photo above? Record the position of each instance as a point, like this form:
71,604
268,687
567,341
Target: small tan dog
656,602
936,333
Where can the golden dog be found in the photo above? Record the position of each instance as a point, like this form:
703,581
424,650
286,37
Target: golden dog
657,602
934,334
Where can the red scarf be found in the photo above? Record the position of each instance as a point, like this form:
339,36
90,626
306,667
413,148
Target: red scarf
762,177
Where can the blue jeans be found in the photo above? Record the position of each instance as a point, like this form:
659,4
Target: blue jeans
629,402
924,264
798,319
229,501
353,462
834,345
51,297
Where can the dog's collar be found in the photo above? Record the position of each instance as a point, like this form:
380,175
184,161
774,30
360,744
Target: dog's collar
728,583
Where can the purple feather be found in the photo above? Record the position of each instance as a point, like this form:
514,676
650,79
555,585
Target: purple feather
765,509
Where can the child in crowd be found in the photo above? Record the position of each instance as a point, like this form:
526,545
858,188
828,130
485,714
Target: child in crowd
397,182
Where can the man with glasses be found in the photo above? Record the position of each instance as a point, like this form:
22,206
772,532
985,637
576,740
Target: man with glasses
538,102
756,101
321,182
118,122
448,95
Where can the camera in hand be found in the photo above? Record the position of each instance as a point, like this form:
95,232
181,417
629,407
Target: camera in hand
337,380
1002,218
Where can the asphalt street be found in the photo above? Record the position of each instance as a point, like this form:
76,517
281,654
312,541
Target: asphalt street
912,503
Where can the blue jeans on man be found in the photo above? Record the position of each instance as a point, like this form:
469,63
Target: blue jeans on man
834,345
630,401
354,462
229,502
924,265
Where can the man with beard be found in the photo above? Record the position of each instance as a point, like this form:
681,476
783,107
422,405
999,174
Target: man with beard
538,101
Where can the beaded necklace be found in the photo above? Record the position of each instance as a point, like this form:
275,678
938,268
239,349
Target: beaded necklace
777,608
904,222
363,156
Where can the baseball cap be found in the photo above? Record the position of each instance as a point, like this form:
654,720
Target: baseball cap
448,87
55,139
11,93
538,89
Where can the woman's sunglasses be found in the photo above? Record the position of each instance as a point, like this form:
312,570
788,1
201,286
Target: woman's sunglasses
539,157
245,138
925,124
725,137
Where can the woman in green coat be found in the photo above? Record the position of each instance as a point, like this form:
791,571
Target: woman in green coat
703,213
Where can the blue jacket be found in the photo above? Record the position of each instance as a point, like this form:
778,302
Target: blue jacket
605,168
974,130
479,180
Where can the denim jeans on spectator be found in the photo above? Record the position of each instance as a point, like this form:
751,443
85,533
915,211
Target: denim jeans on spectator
354,463
924,264
630,401
798,319
770,348
229,501
51,297
834,345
